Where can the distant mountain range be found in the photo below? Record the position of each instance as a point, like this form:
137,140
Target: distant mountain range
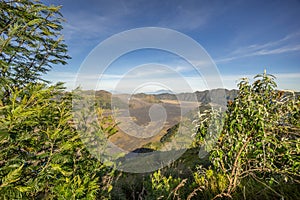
204,97
201,96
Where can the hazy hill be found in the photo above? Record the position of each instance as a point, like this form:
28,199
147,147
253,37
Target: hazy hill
202,96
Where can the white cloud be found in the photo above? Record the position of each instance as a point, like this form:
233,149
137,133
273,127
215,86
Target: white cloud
289,43
279,50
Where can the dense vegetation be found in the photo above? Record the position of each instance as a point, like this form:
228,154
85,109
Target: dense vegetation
259,144
42,156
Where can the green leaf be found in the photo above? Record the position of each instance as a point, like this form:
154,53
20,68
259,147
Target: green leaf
23,188
35,22
12,176
58,168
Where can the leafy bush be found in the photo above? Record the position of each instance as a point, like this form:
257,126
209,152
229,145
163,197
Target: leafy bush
41,154
260,139
163,187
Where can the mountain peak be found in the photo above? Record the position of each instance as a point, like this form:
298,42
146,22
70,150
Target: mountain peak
161,92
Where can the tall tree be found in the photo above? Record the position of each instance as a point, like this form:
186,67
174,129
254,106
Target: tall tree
30,42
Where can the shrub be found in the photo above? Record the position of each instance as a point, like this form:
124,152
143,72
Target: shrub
260,139
41,154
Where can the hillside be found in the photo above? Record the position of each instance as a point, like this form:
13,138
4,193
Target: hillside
202,96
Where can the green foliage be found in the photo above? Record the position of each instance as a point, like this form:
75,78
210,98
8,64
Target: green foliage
30,42
106,123
163,187
41,153
260,139
209,182
208,127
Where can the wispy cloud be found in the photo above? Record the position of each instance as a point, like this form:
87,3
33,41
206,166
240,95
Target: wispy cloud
108,18
289,43
86,26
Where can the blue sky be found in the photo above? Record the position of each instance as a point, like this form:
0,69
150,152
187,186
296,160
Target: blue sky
242,37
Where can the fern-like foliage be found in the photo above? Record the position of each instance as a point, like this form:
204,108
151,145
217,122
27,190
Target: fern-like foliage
41,153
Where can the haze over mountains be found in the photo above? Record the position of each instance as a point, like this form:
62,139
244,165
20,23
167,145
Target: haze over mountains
203,97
